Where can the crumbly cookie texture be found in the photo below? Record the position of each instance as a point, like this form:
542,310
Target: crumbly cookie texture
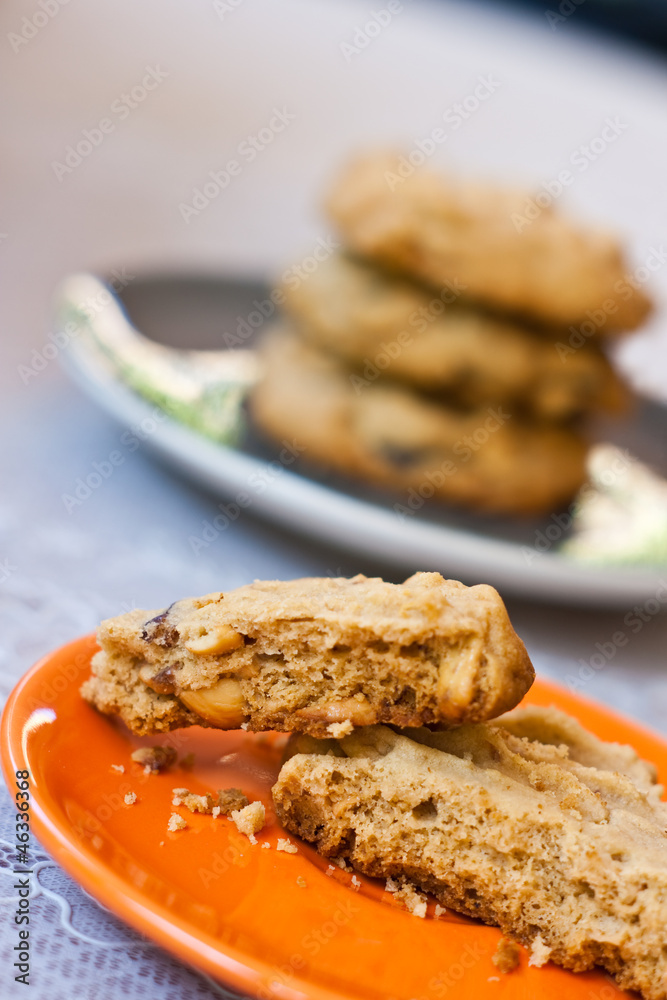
446,231
250,820
528,822
506,956
231,800
305,654
383,432
192,801
175,823
376,321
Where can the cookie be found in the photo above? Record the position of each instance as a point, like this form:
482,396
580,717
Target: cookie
555,837
318,656
388,435
375,321
463,235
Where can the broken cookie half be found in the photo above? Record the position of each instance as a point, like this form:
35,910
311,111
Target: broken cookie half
528,822
319,656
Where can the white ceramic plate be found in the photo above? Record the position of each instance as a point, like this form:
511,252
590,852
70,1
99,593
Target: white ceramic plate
462,546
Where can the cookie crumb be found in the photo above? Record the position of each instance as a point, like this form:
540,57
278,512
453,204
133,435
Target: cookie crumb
539,952
231,799
355,882
406,893
130,798
506,956
493,979
198,803
118,767
176,822
439,910
301,882
249,820
340,729
284,844
342,863
154,759
162,843
266,844
245,726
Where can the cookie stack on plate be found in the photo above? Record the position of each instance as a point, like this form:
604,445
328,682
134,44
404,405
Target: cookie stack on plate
453,349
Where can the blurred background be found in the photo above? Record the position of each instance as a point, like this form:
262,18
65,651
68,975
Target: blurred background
162,96
115,116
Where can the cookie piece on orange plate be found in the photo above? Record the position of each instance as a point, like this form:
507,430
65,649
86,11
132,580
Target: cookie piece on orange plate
528,822
319,656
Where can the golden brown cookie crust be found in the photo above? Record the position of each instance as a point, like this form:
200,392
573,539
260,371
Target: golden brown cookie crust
315,654
445,231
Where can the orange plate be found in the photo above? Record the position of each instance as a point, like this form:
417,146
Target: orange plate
263,921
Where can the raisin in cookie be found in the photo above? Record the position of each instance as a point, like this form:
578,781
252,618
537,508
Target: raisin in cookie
377,321
445,231
387,434
317,655
528,822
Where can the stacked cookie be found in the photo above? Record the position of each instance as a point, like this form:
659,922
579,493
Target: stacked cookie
452,351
